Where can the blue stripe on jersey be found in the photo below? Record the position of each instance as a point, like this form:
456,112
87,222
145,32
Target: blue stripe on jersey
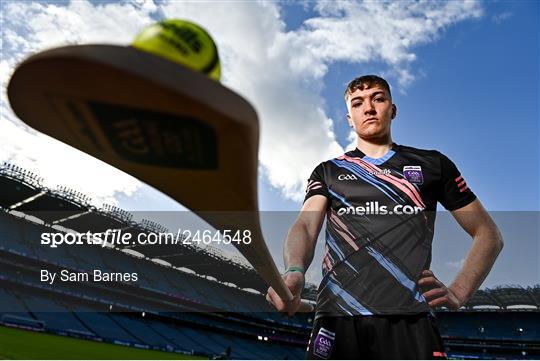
374,178
342,199
345,296
344,310
379,161
333,245
397,273
365,175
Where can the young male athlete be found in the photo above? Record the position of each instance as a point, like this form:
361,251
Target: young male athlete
380,201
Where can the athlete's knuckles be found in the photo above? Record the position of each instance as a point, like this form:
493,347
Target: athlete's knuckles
426,280
432,293
432,296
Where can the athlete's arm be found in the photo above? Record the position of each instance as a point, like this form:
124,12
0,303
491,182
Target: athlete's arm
487,244
302,237
298,251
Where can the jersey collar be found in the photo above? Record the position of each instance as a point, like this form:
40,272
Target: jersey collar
377,161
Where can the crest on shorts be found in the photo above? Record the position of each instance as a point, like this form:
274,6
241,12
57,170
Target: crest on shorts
413,173
323,343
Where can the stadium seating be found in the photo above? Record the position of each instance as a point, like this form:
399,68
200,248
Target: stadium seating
527,325
105,327
490,325
141,330
9,303
133,329
11,236
138,314
175,336
13,312
490,334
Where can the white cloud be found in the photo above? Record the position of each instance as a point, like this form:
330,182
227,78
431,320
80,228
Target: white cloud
381,31
53,25
351,138
279,72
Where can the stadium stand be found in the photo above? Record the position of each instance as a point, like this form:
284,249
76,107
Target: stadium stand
102,325
81,310
489,334
57,318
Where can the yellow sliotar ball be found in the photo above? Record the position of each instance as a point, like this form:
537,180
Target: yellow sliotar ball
183,42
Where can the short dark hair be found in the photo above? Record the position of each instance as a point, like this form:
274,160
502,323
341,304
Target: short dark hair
366,82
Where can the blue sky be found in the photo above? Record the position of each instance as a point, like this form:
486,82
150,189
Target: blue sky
475,99
466,83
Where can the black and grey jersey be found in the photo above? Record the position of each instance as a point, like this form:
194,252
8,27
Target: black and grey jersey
379,227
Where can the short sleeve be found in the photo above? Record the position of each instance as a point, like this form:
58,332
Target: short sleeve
454,192
316,183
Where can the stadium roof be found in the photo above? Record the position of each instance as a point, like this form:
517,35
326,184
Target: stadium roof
23,191
505,297
53,205
204,262
17,185
98,220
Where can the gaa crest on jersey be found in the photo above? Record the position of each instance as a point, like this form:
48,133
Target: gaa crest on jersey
413,173
323,344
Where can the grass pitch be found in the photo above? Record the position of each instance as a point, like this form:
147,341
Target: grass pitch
22,344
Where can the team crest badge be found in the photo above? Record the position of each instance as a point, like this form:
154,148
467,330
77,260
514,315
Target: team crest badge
413,173
324,343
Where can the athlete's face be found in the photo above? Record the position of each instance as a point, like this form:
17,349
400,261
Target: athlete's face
371,112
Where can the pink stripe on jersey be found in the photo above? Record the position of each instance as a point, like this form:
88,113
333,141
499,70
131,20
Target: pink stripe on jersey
458,178
460,184
327,263
461,190
401,184
312,184
347,236
324,266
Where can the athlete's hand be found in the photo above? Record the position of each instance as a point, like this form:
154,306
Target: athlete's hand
436,293
295,282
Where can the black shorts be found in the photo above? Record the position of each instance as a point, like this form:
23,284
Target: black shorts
376,337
